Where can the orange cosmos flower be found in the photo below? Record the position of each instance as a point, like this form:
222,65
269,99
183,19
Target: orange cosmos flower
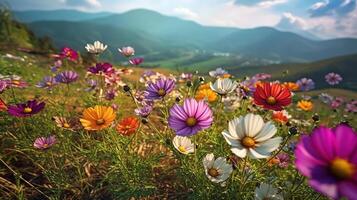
281,116
305,105
97,118
3,106
291,86
128,126
203,94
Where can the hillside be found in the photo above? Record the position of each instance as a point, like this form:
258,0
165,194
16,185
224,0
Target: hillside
343,65
171,38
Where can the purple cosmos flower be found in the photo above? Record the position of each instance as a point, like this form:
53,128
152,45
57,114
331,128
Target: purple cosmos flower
328,157
148,73
186,76
337,102
261,76
48,82
190,118
144,111
110,94
66,77
44,142
26,109
306,84
326,98
219,72
92,85
333,78
136,61
160,89
3,86
351,107
284,160
56,66
16,83
102,68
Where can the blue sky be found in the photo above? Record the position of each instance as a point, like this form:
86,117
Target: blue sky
324,18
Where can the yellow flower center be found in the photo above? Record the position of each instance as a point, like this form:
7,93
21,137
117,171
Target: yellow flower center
48,83
213,172
27,110
16,82
100,121
66,125
191,121
248,142
342,169
45,145
182,149
161,92
271,100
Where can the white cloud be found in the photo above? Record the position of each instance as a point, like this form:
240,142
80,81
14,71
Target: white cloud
94,3
270,3
185,13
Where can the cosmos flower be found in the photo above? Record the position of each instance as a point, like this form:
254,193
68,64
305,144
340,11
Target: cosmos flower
114,79
190,118
63,123
3,86
43,143
224,86
185,77
144,111
333,78
328,158
56,66
3,106
305,105
160,89
96,48
136,61
92,85
306,84
102,69
281,116
110,94
128,126
26,109
217,170
337,102
127,51
351,107
266,191
183,144
293,87
261,76
204,92
48,82
69,53
16,83
97,118
284,160
219,72
66,77
249,135
272,96
325,98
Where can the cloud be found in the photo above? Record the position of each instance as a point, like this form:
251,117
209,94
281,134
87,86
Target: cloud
289,21
185,13
262,3
332,8
83,3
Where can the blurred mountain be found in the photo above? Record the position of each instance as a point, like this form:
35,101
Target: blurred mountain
159,37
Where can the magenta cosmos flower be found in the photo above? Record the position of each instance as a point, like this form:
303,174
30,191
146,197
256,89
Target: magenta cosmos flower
333,78
102,68
69,53
136,61
190,118
44,142
328,157
26,109
159,89
66,77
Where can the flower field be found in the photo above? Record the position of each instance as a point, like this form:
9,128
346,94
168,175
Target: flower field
77,129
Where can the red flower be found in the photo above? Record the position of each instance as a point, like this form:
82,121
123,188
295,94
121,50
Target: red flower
272,96
3,106
69,53
128,126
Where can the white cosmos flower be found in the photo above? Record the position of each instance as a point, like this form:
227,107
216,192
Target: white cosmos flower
127,51
249,135
217,170
183,144
96,48
224,86
266,191
217,72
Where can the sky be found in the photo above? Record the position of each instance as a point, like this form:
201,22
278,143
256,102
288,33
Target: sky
323,18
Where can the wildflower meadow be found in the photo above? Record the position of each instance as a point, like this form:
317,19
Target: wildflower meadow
73,128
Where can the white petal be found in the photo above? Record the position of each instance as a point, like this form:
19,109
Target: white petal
231,140
252,124
252,153
267,132
240,152
208,161
269,145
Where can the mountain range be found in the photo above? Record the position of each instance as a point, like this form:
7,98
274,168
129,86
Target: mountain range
159,37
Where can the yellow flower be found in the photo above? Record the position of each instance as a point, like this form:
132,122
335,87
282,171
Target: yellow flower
208,94
97,118
291,86
204,86
305,105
